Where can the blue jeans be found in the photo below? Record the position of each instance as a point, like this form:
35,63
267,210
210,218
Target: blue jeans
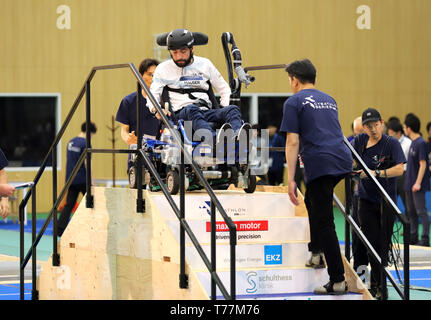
200,118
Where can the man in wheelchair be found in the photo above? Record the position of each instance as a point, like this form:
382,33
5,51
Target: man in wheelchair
184,86
186,82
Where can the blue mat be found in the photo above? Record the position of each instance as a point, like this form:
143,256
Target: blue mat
27,228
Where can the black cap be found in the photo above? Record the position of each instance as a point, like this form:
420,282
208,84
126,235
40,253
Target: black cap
370,115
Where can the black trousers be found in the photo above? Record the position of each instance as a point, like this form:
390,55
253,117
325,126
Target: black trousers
275,177
370,220
359,250
72,196
323,237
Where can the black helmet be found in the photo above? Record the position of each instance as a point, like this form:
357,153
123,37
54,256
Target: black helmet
179,38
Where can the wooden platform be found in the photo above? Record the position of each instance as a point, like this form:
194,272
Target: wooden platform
113,252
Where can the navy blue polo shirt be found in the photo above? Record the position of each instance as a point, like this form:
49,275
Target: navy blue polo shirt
418,151
3,161
385,154
313,115
126,114
75,147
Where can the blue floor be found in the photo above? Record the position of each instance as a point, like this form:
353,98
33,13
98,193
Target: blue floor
9,225
11,291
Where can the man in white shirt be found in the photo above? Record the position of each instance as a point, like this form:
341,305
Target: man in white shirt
187,79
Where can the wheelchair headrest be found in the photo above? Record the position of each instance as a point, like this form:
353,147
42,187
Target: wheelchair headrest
182,36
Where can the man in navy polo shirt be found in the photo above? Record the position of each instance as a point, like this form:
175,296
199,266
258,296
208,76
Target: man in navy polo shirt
417,181
385,158
126,113
75,147
310,120
6,189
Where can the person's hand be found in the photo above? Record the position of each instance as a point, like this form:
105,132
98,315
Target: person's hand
362,174
416,187
4,208
159,117
293,193
6,190
132,139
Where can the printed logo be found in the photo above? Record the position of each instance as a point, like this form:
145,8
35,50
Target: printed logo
309,100
257,225
236,211
251,277
273,254
206,206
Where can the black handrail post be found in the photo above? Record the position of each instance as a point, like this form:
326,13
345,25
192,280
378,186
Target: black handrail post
213,251
407,260
89,197
232,233
384,248
183,276
21,252
34,292
348,195
55,255
140,204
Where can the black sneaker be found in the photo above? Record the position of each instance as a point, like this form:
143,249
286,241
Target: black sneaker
381,294
423,243
332,288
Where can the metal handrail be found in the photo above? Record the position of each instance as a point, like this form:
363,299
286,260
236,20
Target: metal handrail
141,155
396,211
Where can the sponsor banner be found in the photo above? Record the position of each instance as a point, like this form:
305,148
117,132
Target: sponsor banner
293,254
271,281
236,205
255,225
273,230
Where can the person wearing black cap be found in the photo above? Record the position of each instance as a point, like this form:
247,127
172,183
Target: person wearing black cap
385,158
310,120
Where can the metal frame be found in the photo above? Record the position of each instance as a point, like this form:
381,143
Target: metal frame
142,158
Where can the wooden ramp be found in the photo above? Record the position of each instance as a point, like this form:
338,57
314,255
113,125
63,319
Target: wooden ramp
113,252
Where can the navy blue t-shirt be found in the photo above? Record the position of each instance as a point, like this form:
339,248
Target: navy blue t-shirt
313,115
126,114
277,140
418,151
388,153
3,161
75,147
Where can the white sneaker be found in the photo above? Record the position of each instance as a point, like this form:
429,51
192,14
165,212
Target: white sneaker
317,261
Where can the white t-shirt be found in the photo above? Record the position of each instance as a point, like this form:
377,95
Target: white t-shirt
405,145
193,76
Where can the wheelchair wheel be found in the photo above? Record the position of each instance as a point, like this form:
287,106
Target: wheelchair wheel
173,182
133,182
251,184
132,178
